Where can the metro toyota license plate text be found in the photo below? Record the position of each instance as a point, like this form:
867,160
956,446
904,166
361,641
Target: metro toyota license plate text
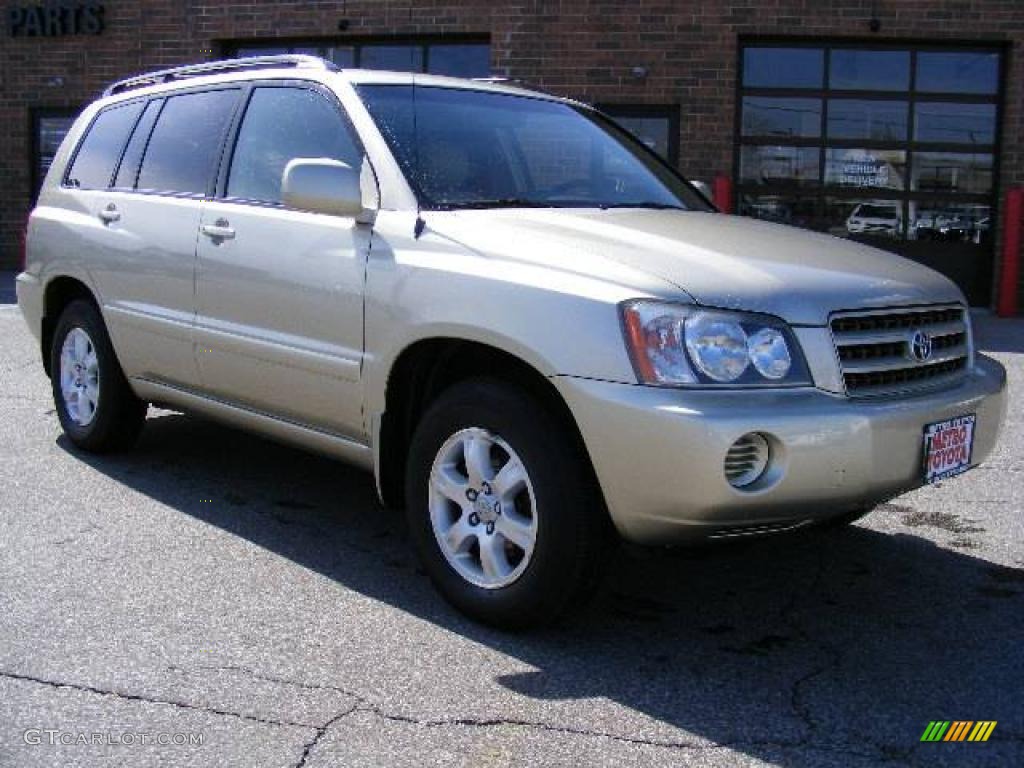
947,448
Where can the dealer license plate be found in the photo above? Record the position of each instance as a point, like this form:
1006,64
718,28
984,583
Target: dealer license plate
947,448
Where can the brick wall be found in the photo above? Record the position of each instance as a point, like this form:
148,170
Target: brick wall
583,48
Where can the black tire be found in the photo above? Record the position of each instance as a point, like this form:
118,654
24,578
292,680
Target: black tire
119,414
572,531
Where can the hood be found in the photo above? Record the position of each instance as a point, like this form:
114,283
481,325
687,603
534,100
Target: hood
730,262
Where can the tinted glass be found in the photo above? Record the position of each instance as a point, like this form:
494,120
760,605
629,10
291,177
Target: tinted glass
129,167
99,152
403,58
869,70
952,72
863,119
182,152
763,116
343,56
783,67
878,168
50,132
952,172
950,221
281,124
955,123
459,60
776,165
783,209
873,220
463,148
652,131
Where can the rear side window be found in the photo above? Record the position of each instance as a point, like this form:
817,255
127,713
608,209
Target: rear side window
182,152
98,153
281,124
129,167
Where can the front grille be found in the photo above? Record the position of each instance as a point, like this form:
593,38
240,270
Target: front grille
875,349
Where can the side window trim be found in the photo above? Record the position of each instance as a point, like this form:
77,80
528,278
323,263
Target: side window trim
214,173
64,183
160,102
220,194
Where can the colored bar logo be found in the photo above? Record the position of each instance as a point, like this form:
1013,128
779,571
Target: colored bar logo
958,730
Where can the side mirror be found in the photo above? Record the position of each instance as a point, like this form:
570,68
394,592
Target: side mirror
322,185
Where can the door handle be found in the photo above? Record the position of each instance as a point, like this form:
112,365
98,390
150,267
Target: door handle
110,214
219,230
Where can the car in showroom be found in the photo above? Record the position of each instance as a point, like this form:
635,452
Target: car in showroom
533,332
874,219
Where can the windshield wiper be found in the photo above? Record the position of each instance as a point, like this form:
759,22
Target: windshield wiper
498,202
645,204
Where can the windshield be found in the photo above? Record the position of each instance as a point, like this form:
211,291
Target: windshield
477,149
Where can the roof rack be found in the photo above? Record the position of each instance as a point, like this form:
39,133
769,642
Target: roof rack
297,61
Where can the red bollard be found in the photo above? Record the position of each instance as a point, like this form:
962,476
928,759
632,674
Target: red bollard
1009,278
721,193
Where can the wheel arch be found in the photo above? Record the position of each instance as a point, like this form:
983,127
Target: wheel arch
426,368
59,292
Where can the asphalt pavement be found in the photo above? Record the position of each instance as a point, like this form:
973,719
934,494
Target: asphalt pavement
215,599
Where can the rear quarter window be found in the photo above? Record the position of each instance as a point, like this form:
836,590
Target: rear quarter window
97,155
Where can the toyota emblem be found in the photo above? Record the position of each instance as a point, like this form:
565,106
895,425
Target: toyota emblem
920,346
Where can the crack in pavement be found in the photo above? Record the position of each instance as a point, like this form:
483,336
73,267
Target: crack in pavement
308,747
834,661
366,706
122,695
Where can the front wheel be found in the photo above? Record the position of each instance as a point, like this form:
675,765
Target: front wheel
501,506
96,407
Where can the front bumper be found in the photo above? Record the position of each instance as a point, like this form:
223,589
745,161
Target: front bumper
659,453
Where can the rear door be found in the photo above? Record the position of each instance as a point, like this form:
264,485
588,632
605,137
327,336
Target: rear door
151,219
279,292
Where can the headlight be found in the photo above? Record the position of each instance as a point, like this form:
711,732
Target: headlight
680,345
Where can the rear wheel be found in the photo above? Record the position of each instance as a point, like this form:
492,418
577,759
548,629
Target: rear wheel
96,407
501,508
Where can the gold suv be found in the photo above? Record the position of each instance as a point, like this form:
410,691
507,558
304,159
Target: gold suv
525,323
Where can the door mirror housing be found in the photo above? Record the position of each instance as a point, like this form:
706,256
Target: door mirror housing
322,185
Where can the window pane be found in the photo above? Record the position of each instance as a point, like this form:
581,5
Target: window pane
783,67
259,50
879,168
342,55
99,152
652,131
950,222
869,70
479,149
182,152
459,60
51,132
955,123
281,124
862,119
952,172
782,209
952,72
763,116
877,221
402,58
774,165
129,167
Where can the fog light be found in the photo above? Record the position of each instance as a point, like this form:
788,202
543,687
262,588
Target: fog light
746,460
